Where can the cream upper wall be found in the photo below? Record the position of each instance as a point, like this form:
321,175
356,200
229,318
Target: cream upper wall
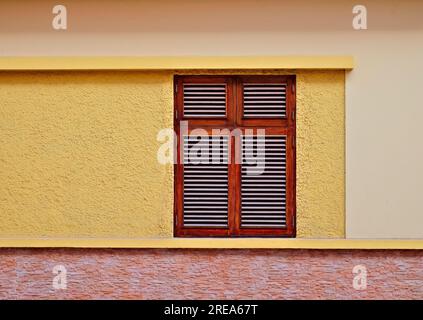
107,16
383,109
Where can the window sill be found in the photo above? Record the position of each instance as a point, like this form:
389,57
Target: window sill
210,243
176,63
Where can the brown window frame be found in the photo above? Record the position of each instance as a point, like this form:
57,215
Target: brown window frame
234,119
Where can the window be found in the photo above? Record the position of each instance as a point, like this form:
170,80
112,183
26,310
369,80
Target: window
235,170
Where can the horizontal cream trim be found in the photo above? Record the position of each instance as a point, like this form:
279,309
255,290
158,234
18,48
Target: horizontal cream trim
212,243
175,63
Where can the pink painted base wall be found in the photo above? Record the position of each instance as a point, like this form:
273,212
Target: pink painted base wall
210,274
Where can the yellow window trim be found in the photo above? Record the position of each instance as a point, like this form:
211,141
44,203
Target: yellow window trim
176,63
207,243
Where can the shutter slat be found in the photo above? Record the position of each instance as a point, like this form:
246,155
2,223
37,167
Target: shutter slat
264,100
205,185
204,100
263,196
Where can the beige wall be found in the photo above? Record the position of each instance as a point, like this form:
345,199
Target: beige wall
383,109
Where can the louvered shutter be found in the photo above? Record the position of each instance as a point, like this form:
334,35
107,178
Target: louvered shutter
205,182
204,100
264,100
263,181
227,198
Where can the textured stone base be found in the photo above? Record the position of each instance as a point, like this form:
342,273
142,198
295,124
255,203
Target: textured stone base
210,274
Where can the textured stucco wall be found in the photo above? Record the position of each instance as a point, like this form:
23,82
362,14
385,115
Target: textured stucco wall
78,154
321,154
210,274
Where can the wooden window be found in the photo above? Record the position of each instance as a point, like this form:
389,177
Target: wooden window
235,171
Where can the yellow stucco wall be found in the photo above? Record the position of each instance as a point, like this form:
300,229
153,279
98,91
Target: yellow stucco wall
78,154
320,154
